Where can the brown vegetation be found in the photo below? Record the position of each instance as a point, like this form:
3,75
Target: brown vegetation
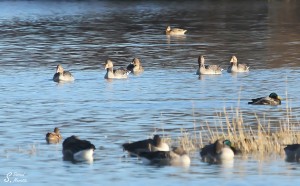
249,139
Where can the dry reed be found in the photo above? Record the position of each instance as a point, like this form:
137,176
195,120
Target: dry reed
249,139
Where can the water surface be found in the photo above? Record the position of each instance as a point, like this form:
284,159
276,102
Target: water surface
166,99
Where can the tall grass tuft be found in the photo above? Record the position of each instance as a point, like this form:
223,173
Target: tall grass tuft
260,139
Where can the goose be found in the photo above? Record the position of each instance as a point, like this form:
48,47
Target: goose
218,152
75,149
120,73
207,69
292,152
135,66
272,99
176,157
148,145
175,31
53,137
62,75
236,67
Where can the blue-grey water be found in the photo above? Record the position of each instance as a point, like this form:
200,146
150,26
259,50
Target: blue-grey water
166,99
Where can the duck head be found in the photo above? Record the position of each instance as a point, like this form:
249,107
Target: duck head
227,143
274,96
56,130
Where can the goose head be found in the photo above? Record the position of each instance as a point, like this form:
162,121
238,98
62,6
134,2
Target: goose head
136,62
168,29
233,60
59,69
157,140
201,60
108,64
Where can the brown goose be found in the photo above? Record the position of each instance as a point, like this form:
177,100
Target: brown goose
75,149
135,66
207,69
120,73
177,157
148,145
237,67
217,152
292,152
62,75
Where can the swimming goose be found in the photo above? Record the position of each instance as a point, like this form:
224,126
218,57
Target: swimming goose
236,67
135,66
292,152
75,149
272,99
62,75
120,73
148,145
175,31
177,157
53,137
207,69
217,152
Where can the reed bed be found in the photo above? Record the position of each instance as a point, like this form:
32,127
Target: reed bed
262,139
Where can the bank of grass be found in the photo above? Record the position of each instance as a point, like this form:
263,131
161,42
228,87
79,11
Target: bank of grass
257,138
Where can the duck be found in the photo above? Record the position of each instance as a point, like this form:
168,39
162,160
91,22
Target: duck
272,99
75,149
292,152
177,157
147,145
53,137
236,67
120,73
207,69
135,66
62,75
175,31
218,152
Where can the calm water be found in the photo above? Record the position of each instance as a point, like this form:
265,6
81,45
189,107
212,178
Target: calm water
167,98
